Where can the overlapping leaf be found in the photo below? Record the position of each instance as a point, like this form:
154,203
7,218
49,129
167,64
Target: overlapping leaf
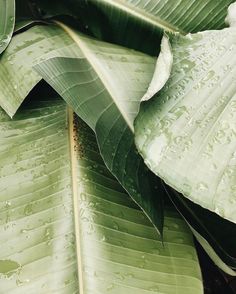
103,83
186,133
216,235
36,223
66,224
16,75
139,24
179,16
7,22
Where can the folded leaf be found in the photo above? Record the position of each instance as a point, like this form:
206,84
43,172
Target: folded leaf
187,132
66,224
7,22
102,82
16,75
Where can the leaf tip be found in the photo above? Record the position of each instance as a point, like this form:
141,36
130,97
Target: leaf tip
230,19
162,69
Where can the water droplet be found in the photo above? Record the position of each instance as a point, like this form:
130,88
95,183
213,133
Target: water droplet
232,201
130,275
9,267
110,287
176,226
47,236
67,282
202,186
103,238
156,251
119,276
22,282
123,58
219,211
28,209
154,288
115,226
7,204
178,139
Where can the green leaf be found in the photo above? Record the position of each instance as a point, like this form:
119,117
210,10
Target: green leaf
169,16
140,24
103,83
216,235
16,75
36,225
186,133
67,226
105,93
181,16
7,22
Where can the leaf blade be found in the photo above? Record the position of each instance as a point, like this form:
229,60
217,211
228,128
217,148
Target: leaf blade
189,117
82,75
17,76
7,22
121,229
36,225
120,250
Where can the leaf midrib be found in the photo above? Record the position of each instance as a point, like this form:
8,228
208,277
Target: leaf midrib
104,80
75,192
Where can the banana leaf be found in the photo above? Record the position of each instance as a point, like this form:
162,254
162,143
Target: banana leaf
216,235
186,132
66,224
103,84
138,24
7,22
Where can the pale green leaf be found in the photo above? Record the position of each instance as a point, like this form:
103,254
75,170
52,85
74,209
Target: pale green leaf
36,223
162,70
16,75
66,224
231,16
102,82
187,132
7,22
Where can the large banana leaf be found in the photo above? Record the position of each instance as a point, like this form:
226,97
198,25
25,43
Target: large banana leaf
7,22
181,16
66,224
103,83
140,24
187,132
36,226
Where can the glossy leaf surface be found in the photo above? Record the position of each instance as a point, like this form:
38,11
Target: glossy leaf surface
7,22
67,226
186,133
